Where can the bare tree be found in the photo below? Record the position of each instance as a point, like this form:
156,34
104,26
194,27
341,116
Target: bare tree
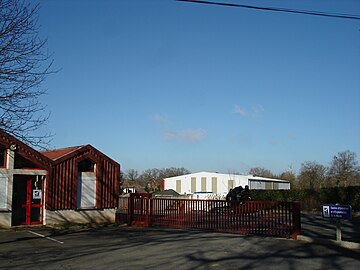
173,171
344,169
24,64
289,176
152,179
312,175
262,172
131,175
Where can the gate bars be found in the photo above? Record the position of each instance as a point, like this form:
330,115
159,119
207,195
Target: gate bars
269,218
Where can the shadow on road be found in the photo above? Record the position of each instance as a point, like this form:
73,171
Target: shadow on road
315,226
164,248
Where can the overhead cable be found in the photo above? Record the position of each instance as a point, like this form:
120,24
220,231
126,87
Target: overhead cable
306,12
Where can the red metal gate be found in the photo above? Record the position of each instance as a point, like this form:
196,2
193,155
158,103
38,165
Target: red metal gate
253,217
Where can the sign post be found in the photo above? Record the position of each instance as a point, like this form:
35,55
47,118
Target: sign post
338,212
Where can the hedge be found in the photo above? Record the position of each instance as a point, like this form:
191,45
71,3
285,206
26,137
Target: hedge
312,199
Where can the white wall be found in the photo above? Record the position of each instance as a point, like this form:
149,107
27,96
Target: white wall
5,219
6,187
267,183
85,216
222,182
184,182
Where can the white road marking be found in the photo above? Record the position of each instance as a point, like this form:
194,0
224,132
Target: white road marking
49,238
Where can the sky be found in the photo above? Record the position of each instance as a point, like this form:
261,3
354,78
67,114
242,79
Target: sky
163,83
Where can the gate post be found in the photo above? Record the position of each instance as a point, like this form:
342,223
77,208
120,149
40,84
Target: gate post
131,208
150,212
147,210
296,217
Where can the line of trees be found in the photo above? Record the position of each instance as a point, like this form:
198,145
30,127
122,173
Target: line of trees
343,171
150,179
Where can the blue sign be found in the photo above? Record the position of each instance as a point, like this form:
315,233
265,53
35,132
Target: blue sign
337,211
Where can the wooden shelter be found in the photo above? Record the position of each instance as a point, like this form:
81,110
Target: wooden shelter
70,185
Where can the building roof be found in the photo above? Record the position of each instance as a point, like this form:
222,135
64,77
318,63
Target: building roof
59,153
251,177
24,150
166,193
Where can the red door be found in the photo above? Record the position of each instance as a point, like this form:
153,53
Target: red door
27,201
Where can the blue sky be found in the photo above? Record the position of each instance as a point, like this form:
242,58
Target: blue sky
156,84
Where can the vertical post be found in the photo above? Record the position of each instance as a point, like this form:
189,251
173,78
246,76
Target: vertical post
296,220
151,211
338,229
131,208
10,160
28,201
148,210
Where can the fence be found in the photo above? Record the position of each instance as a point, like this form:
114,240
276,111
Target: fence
253,217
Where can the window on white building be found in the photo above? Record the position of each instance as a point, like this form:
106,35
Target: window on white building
214,184
203,184
178,186
268,185
275,185
230,184
193,184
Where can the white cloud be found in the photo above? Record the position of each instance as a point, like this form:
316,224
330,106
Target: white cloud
160,118
257,108
170,135
253,112
240,110
187,135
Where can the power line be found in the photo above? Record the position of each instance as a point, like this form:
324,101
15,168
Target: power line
306,12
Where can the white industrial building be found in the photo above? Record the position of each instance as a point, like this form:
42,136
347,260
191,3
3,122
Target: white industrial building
220,183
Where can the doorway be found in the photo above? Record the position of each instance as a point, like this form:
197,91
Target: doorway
27,203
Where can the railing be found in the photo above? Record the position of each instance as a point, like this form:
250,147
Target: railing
253,217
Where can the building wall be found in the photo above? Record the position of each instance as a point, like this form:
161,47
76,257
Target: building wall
62,190
7,175
5,219
274,185
86,216
219,183
59,184
204,182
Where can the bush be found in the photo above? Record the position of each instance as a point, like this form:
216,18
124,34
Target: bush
312,199
341,195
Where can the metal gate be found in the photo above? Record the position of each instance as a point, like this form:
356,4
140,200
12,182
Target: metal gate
268,218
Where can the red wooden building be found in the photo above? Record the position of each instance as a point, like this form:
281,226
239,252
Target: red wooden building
70,185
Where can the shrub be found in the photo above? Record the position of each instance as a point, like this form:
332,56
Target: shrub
312,199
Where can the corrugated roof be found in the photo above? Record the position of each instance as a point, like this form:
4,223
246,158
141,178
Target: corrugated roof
58,153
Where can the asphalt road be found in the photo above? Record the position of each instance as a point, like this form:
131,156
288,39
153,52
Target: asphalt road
163,248
317,227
